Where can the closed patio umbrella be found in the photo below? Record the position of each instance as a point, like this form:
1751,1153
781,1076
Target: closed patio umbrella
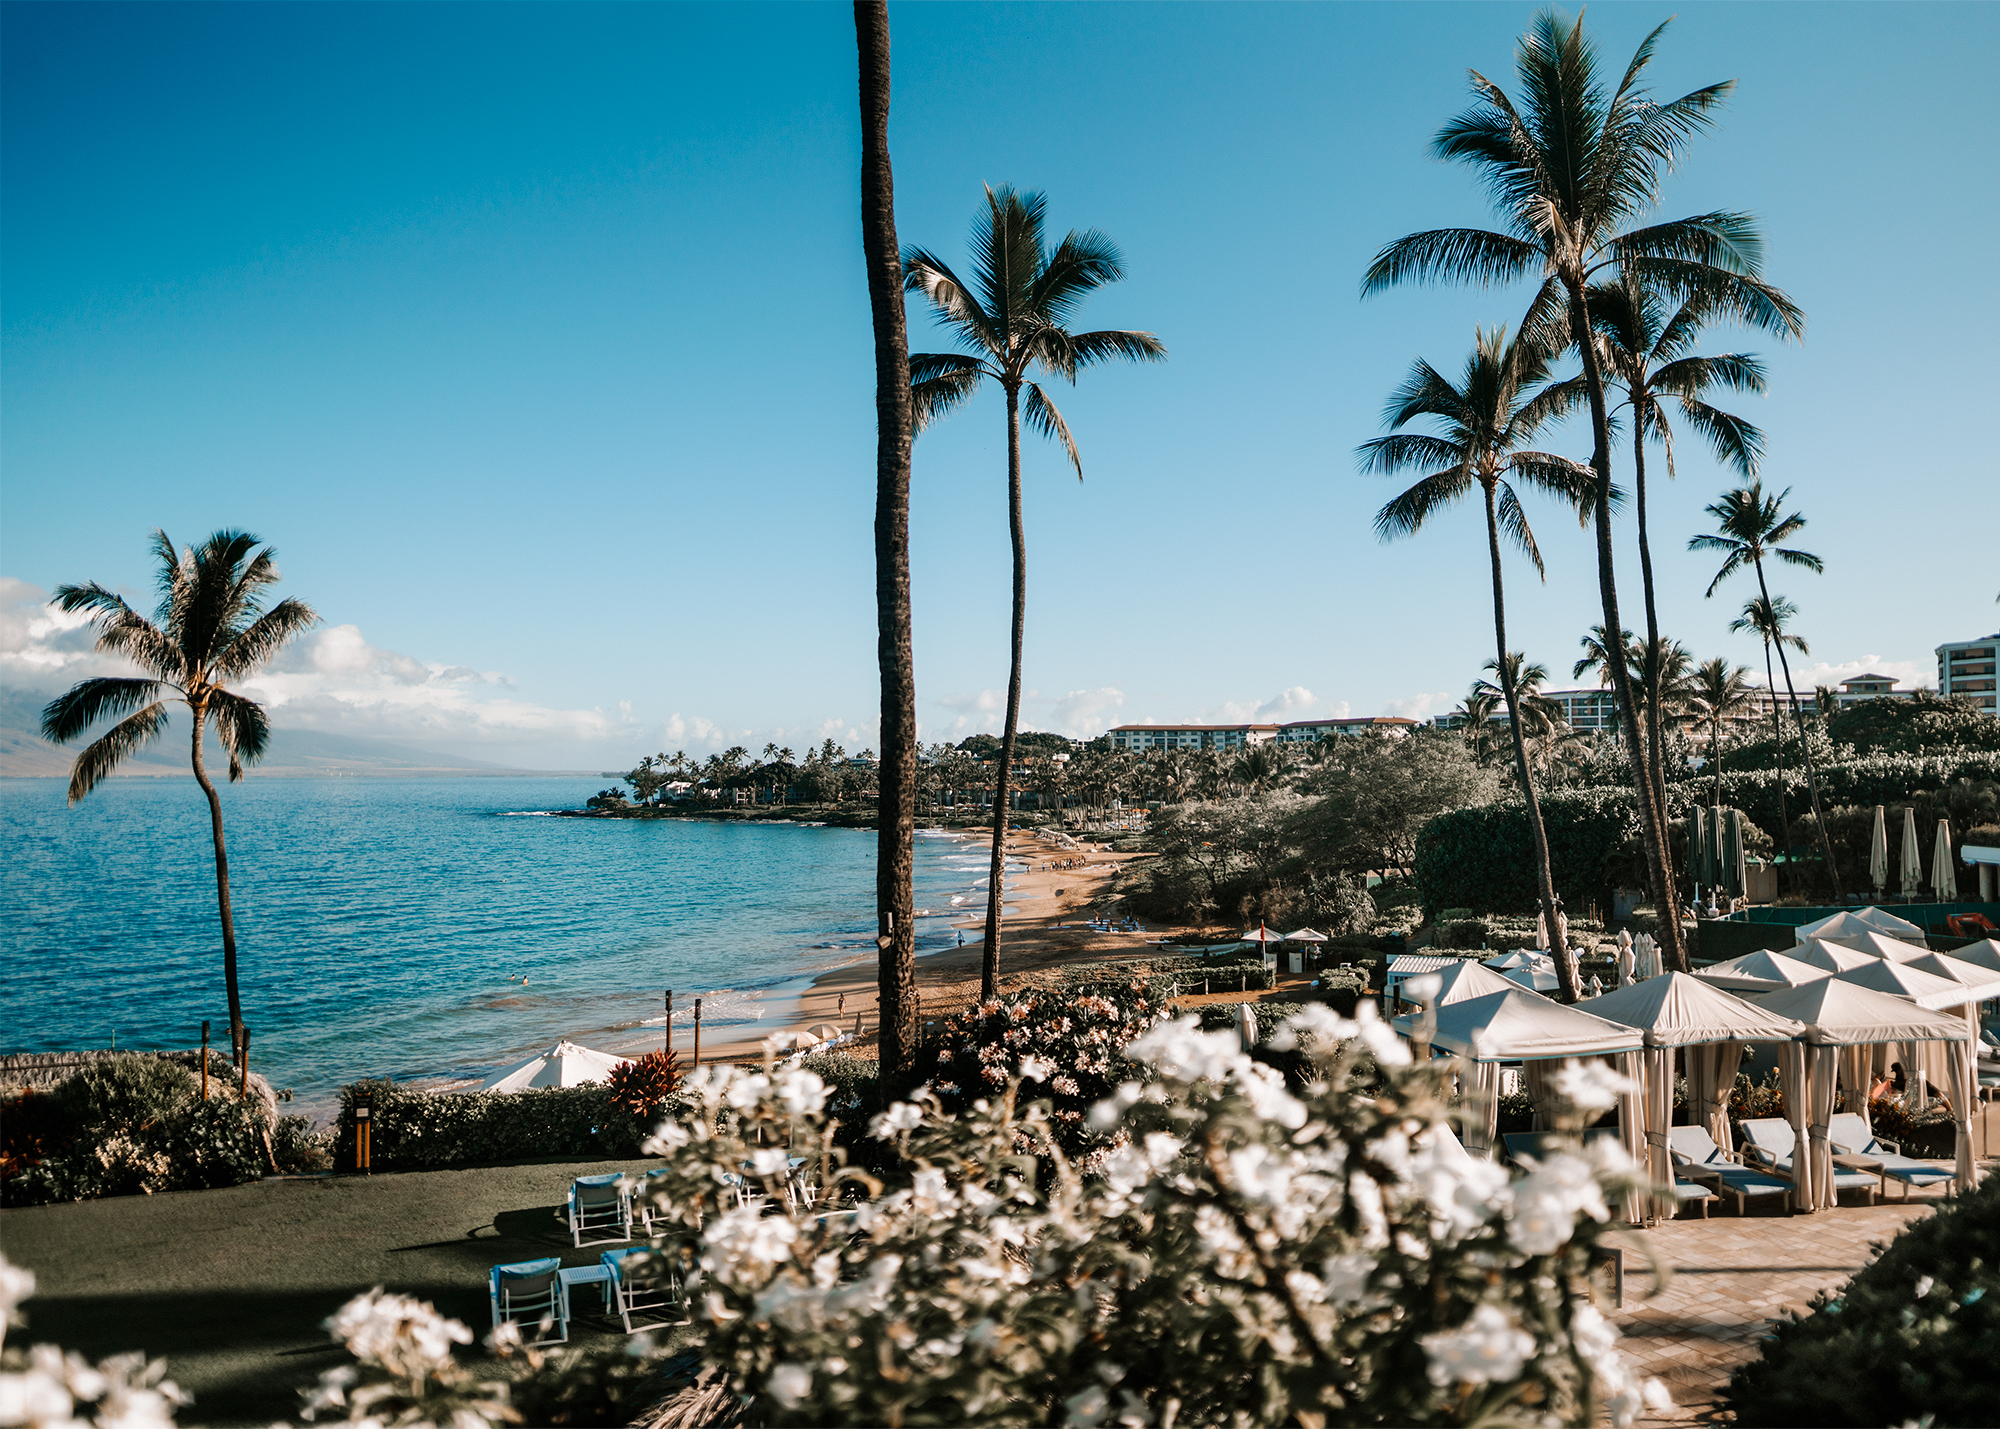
1944,877
1878,851
1913,859
1737,876
1697,831
1718,856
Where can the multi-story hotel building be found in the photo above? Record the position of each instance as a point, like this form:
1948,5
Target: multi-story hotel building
1966,668
1141,737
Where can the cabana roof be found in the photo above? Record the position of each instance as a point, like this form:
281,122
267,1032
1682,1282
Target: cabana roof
1985,953
1881,945
1832,956
1676,1010
1847,922
1522,1026
1843,1014
1912,984
1469,980
1761,971
1980,982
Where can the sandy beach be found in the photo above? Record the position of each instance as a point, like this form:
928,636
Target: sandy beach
1046,928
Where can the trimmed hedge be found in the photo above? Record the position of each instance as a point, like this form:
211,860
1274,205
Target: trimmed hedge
1914,1336
1483,858
427,1131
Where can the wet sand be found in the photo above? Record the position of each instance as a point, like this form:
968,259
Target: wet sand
1046,928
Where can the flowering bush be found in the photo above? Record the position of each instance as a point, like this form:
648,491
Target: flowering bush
405,1371
1076,1035
43,1386
1245,1254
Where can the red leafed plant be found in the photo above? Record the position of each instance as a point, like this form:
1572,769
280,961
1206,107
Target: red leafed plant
639,1086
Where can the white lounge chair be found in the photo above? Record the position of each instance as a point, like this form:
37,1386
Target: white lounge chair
1849,1133
1694,1148
1769,1140
645,1282
600,1203
531,1294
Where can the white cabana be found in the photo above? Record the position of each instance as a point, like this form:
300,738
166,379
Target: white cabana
1912,984
1881,945
1849,923
563,1065
1833,957
1306,935
1980,982
1532,970
1761,971
1711,1028
1985,953
1522,1026
1458,982
1843,1015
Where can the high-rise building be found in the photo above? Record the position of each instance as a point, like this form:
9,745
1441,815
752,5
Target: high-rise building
1966,667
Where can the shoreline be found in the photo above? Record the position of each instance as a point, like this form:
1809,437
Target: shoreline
1045,928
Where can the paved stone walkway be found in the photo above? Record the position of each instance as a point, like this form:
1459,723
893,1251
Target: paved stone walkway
1733,1275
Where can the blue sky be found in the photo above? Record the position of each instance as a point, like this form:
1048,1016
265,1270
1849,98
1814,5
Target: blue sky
536,339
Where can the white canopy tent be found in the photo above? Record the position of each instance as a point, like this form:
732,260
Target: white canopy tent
1711,1028
1985,953
563,1065
1849,922
1980,982
1534,971
1881,945
1761,971
1912,984
1522,1026
1843,1015
1833,957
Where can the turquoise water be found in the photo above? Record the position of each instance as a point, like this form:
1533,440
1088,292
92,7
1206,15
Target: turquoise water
380,920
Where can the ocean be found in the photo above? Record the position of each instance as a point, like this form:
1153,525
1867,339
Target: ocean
379,921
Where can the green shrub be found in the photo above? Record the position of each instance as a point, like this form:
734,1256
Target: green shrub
853,1084
1460,933
424,1130
1916,1335
300,1148
1483,857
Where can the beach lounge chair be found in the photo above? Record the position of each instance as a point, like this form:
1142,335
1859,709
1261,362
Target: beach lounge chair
1694,1148
531,1294
646,1283
1768,1140
1537,1143
645,1205
597,1204
1849,1133
1686,1191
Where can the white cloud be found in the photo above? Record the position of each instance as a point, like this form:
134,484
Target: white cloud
1908,674
1081,714
1420,706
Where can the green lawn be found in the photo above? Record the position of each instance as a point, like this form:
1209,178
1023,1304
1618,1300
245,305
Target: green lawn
232,1286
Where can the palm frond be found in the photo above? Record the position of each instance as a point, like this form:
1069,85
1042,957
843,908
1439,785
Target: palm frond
1571,482
216,595
265,637
1805,559
1082,263
1091,348
1735,441
1721,293
124,738
943,393
1551,403
1385,456
1696,376
1405,515
242,726
1514,525
1426,392
956,306
68,715
1451,255
1041,414
1007,247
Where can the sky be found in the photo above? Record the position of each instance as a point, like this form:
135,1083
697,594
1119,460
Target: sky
536,340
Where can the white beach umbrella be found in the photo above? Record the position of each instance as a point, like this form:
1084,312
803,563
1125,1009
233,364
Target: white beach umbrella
1913,859
1944,877
563,1065
1261,934
1878,851
827,1031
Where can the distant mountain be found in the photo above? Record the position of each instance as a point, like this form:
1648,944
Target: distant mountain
24,754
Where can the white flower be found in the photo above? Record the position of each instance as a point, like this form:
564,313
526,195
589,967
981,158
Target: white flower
667,1138
900,1117
1463,1193
1264,1087
801,1093
1328,1028
743,1093
505,1339
1105,1115
1037,1069
1488,1347
770,1161
1924,1284
1344,1278
1590,1086
1423,987
1548,1200
789,1384
1381,1039
1260,1176
16,1284
1181,1050
745,1237
407,1337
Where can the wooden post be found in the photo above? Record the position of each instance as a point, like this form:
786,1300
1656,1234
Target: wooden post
364,1125
204,1059
697,1033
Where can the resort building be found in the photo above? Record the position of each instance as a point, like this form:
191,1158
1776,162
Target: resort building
1141,737
1870,687
1966,668
1305,731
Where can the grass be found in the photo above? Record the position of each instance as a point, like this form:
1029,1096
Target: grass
233,1286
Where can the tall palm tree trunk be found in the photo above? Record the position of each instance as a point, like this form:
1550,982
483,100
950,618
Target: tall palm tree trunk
1805,748
896,939
989,969
1655,715
1652,832
221,891
1777,730
1545,886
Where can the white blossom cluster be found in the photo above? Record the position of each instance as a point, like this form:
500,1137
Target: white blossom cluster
47,1388
405,1369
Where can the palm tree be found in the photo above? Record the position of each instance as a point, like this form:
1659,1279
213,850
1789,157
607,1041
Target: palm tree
1476,713
1015,317
1542,718
895,431
1647,339
1485,425
209,629
1768,619
1570,167
1750,526
1719,694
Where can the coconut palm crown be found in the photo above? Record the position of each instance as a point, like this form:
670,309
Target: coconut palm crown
211,627
1015,318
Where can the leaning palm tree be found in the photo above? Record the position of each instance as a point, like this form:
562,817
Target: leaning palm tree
1015,318
1750,526
1483,427
1570,168
1719,694
1769,620
210,628
1647,336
